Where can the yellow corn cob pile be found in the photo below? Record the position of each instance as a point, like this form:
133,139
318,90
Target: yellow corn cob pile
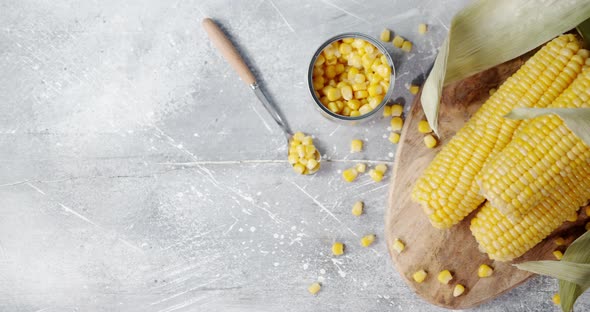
448,190
546,165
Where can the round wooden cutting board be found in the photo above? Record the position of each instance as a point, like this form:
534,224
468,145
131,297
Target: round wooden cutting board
454,249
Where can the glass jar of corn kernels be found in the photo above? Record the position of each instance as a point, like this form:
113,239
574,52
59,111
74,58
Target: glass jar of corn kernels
351,77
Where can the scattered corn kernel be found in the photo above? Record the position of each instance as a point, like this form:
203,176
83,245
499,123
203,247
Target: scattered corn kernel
397,123
424,127
445,276
398,41
559,241
357,208
337,249
419,276
492,91
303,155
458,290
556,299
558,254
381,168
573,217
587,210
485,270
394,137
396,110
377,176
587,227
314,288
367,240
430,141
386,110
407,46
350,174
422,28
414,89
356,146
350,78
398,245
360,167
385,35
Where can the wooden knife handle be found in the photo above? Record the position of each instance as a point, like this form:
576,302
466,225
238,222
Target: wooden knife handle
228,50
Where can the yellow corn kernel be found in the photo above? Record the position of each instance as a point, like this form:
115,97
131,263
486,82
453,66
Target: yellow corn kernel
397,123
314,288
396,110
298,136
307,140
424,127
348,40
377,176
419,276
587,227
422,29
444,277
337,249
346,111
572,217
386,110
485,270
381,168
556,299
346,92
349,175
430,141
357,208
355,113
558,254
385,35
361,167
333,94
365,109
353,104
361,94
345,48
559,241
407,46
587,210
368,240
299,168
414,89
398,41
293,158
356,146
398,245
375,101
458,290
394,137
375,90
312,164
492,91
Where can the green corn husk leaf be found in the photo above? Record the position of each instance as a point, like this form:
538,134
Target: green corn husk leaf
488,33
576,119
584,31
573,271
577,273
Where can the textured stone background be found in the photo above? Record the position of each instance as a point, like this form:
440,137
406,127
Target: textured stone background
137,173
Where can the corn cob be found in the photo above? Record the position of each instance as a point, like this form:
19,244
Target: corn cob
448,190
544,154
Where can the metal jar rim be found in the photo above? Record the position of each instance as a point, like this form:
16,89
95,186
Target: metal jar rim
375,43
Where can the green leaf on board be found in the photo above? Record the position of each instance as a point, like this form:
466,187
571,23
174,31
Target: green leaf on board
576,119
488,33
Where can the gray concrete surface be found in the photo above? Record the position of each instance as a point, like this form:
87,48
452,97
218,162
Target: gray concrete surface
137,173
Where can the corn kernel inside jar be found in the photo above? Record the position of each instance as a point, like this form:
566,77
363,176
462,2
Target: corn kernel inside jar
351,77
303,155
